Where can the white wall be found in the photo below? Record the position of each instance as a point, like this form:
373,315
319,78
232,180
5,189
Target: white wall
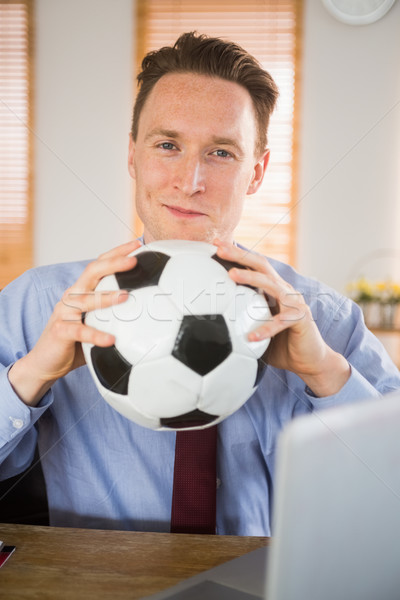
350,137
84,88
350,151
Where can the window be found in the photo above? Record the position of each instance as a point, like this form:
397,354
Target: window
270,30
15,138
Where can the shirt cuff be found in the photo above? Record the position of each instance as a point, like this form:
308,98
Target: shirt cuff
15,416
355,389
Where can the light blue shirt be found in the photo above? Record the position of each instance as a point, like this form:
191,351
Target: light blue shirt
104,471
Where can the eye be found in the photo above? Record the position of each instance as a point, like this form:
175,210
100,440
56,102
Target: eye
222,153
167,146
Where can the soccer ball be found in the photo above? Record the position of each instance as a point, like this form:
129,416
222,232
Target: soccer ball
181,358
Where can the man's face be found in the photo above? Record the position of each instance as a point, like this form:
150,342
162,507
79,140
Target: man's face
194,158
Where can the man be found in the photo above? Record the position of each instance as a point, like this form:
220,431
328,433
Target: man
197,149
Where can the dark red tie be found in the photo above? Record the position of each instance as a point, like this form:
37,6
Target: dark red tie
195,481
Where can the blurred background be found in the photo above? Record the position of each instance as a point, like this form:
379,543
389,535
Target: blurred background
334,190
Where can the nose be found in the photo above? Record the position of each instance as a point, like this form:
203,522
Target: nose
190,178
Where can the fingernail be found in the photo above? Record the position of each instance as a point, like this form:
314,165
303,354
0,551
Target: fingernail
255,336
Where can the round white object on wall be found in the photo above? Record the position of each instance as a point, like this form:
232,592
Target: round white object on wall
358,12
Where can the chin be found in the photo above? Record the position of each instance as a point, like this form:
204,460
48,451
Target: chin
196,237
182,234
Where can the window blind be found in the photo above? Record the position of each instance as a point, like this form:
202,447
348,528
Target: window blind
270,30
15,139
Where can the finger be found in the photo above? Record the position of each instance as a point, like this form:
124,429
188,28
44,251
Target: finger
112,261
75,331
272,287
76,303
276,324
96,270
122,250
248,259
90,335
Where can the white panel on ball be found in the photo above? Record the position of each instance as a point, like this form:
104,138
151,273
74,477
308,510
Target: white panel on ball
123,404
205,290
102,319
164,387
245,313
225,387
153,323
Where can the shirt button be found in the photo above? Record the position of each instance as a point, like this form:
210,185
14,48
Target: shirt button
17,423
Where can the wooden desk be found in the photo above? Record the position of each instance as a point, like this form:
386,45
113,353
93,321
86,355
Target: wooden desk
52,562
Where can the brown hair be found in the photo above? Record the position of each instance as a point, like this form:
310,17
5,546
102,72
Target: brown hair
193,53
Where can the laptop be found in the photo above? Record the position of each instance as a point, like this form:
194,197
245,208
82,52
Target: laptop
336,533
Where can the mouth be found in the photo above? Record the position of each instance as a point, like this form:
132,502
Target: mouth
178,211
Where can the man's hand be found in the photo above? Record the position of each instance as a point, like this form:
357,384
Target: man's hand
59,349
296,343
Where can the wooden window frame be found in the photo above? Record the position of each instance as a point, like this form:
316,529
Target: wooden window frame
16,255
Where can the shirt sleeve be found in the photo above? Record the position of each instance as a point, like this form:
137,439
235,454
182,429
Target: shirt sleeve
17,434
341,324
373,373
356,388
22,318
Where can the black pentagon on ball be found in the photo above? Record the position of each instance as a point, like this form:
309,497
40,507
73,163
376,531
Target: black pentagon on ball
261,366
111,368
203,342
147,271
194,418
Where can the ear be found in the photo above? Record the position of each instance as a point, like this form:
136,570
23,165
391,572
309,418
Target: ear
131,157
258,173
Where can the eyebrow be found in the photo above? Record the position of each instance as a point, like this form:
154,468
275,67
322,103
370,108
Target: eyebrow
218,141
170,133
